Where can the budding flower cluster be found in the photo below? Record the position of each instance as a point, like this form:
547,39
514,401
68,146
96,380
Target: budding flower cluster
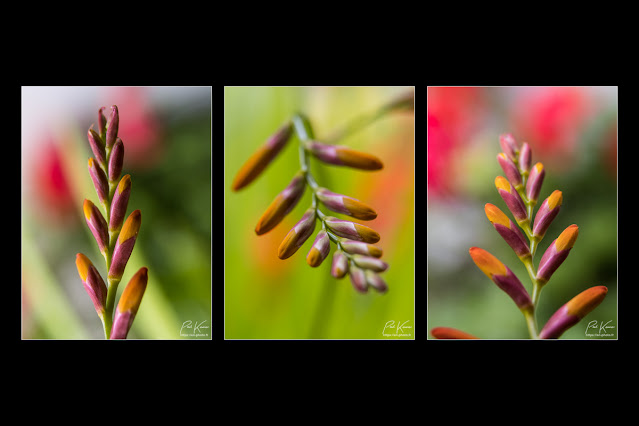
520,190
356,255
115,239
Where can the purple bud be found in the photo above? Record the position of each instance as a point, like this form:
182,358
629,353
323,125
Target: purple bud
375,281
120,203
510,169
99,180
112,127
116,160
320,249
93,283
97,146
124,245
351,230
509,146
346,205
97,225
358,279
546,213
298,235
536,178
525,157
368,262
511,198
556,253
339,268
102,123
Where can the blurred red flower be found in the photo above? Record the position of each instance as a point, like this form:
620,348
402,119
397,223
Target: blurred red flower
551,119
454,114
50,183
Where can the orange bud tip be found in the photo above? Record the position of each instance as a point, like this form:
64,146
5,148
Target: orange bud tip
567,238
450,333
502,183
488,263
583,303
495,215
132,294
83,263
555,199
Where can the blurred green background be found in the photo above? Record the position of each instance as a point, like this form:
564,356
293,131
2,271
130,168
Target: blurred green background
573,132
269,298
166,133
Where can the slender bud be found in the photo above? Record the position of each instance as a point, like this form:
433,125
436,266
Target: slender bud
120,203
508,230
546,213
339,268
320,249
358,279
97,146
351,230
450,333
116,160
375,281
129,304
358,247
556,253
124,245
501,275
573,311
512,199
262,157
99,180
93,283
525,157
102,123
346,205
298,235
536,178
510,169
97,225
343,156
112,127
282,205
368,262
509,146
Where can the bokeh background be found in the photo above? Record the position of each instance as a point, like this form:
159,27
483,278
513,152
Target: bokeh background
167,141
573,132
269,298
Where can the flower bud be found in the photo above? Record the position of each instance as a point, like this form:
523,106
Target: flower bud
112,127
262,157
508,230
509,146
573,311
102,124
93,283
556,253
99,180
345,205
351,230
120,203
450,333
339,155
97,146
512,199
358,279
282,205
116,160
97,225
368,262
510,169
124,245
339,268
375,281
298,235
129,304
546,213
320,249
536,178
501,275
525,157
358,247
